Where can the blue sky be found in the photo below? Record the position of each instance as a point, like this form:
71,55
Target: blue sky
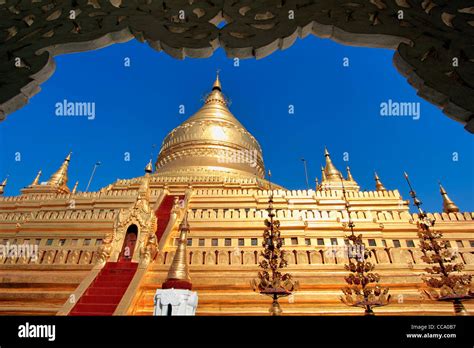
334,105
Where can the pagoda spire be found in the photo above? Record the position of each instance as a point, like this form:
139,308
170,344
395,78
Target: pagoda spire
349,174
217,83
178,274
59,178
448,204
330,170
74,190
36,179
378,184
216,96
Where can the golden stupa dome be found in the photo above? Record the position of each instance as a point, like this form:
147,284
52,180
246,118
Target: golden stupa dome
212,140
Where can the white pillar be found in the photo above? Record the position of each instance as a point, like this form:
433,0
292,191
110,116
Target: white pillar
182,302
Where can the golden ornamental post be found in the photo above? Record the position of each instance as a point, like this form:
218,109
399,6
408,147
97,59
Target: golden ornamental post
444,278
358,292
271,281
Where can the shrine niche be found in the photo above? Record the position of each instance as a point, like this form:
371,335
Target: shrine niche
433,40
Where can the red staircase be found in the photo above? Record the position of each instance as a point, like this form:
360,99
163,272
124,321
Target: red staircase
104,294
163,214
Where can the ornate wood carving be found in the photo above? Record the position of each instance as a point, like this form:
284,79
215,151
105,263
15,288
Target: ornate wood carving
434,40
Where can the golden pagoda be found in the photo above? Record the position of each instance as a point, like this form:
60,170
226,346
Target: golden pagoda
200,215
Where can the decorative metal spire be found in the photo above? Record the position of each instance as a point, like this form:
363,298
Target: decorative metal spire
178,274
378,184
349,174
305,172
347,206
74,190
445,279
59,178
36,180
330,170
448,204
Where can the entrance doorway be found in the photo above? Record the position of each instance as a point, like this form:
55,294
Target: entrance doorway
129,243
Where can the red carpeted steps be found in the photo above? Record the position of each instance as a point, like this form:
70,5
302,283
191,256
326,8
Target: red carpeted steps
104,294
163,214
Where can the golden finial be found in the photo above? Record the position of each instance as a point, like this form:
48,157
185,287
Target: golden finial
448,204
178,274
378,184
349,174
330,170
59,178
323,174
74,190
149,168
216,96
36,180
217,83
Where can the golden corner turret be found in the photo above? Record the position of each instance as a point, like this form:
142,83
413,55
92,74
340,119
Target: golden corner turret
330,170
57,183
332,179
378,184
448,205
59,178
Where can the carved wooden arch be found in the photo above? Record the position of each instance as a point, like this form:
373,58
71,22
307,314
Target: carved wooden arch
433,39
